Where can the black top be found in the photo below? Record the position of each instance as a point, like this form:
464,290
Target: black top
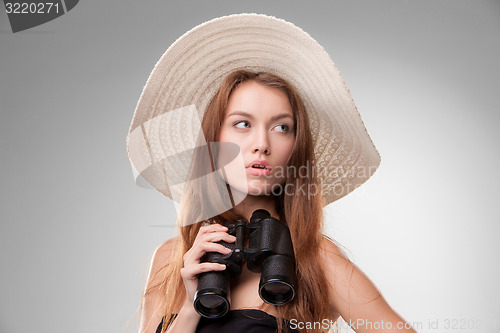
241,320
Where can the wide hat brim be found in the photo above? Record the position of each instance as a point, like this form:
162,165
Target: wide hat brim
191,70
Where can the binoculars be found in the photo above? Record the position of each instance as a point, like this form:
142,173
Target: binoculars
269,252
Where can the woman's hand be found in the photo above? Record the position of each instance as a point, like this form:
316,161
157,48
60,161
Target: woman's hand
204,242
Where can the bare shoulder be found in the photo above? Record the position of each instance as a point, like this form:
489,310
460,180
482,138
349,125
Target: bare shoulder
162,257
334,257
166,249
154,297
348,283
353,295
328,246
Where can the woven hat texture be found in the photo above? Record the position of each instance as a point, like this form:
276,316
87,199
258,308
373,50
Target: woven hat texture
168,115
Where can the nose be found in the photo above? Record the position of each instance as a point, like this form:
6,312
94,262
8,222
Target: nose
262,143
262,149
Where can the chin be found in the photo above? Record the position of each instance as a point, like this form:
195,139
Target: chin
258,187
254,187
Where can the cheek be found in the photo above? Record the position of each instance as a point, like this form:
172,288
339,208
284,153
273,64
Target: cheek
286,151
229,136
221,136
226,134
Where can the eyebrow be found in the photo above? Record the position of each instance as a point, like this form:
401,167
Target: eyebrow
246,114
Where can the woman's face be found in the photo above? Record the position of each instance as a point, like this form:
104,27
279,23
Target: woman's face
259,120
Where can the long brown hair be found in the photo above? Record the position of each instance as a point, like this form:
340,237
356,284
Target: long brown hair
302,213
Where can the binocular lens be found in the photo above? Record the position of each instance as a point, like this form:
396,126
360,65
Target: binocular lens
276,288
211,301
212,306
276,292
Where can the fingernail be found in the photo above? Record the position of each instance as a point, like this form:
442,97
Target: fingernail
223,266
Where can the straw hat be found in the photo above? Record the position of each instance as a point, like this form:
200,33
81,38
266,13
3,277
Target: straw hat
167,119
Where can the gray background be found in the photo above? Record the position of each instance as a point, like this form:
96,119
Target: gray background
77,234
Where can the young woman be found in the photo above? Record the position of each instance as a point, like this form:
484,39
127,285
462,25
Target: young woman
287,165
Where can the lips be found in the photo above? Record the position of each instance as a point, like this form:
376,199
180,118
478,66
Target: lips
260,164
259,168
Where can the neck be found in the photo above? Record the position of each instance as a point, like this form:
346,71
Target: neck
252,203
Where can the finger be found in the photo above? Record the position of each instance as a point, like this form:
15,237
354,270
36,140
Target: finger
191,272
194,255
212,228
218,236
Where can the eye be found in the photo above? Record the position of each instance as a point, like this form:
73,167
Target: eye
283,128
241,124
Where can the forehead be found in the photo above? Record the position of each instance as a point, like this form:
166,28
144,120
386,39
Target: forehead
255,97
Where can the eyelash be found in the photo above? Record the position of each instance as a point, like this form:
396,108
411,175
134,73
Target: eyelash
284,125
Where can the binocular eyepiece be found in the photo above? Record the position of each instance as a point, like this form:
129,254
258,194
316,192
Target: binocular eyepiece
269,252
